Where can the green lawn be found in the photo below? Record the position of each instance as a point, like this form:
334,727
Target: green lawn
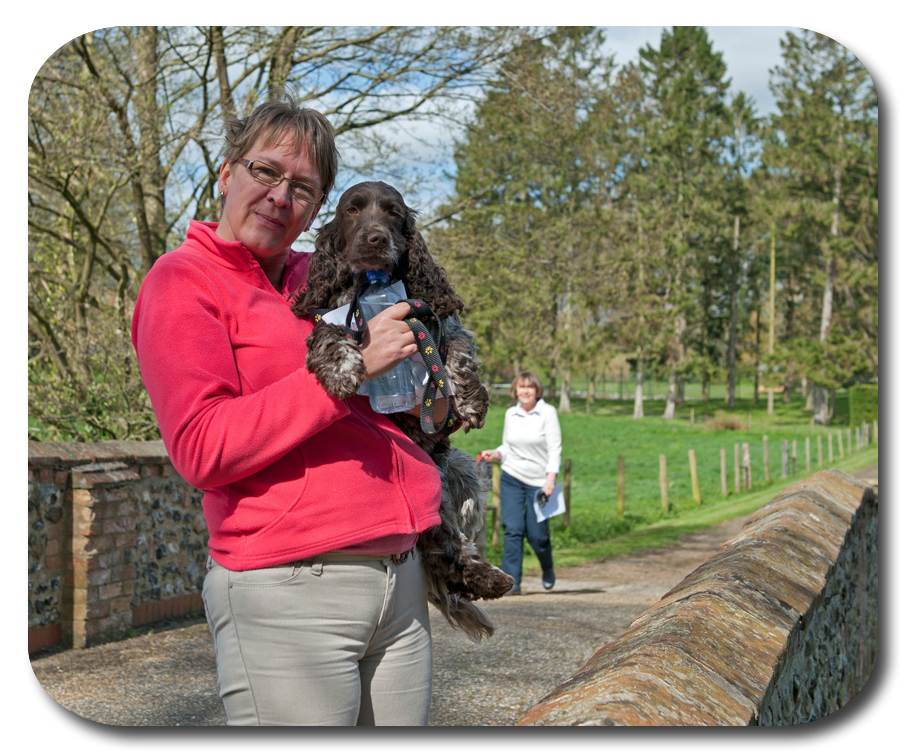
593,442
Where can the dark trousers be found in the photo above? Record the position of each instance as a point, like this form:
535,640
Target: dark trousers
519,520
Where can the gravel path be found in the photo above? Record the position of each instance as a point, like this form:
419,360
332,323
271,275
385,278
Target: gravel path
167,678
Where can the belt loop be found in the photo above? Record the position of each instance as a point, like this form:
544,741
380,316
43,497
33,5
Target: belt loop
402,558
316,569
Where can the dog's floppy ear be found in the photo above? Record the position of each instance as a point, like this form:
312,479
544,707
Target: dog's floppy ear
329,273
423,278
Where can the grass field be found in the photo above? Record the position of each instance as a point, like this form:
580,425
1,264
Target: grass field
593,442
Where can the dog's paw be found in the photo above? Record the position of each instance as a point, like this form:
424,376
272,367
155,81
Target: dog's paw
335,360
471,406
482,580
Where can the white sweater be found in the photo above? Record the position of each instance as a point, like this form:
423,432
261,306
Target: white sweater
531,445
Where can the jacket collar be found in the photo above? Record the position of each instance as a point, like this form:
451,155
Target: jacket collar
235,255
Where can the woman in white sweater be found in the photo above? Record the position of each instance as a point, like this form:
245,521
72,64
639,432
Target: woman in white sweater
530,456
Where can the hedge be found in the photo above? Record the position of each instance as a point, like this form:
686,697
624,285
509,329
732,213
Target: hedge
863,404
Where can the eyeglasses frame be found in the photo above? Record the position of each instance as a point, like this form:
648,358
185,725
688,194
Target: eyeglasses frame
247,163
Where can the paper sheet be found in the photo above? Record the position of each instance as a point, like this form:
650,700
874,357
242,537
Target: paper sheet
555,505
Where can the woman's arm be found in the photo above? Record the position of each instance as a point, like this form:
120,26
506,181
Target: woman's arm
214,430
552,429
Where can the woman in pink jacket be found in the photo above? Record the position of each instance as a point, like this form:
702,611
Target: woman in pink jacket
315,600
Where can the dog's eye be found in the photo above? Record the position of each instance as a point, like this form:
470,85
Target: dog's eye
352,209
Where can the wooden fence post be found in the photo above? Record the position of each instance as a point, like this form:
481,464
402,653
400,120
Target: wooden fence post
766,457
663,481
694,482
819,452
829,445
737,469
722,474
794,458
848,433
745,453
807,455
496,502
784,458
841,445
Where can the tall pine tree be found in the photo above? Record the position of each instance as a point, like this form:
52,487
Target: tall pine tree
686,83
825,146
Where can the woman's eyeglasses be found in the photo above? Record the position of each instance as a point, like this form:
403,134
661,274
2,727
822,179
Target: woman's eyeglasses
268,175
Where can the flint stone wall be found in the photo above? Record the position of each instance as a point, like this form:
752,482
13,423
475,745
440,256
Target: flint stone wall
779,628
116,539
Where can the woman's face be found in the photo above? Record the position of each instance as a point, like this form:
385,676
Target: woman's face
526,394
266,218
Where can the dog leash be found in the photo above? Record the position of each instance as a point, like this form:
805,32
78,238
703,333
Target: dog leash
433,354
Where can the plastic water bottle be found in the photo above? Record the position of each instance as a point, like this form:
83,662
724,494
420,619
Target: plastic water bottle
393,391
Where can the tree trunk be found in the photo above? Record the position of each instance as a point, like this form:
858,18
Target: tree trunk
770,396
757,360
733,318
638,389
821,403
670,398
150,183
282,57
218,52
564,401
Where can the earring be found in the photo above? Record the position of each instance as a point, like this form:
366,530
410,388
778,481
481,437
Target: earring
223,193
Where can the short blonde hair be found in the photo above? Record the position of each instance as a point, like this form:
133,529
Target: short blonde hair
309,130
526,376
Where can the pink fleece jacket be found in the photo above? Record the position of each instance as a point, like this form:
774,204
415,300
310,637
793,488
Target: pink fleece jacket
287,470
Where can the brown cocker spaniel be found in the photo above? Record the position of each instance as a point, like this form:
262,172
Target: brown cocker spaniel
373,228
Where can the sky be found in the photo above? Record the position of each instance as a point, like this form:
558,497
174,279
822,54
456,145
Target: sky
749,52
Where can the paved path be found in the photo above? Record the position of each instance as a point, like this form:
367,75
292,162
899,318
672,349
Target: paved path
168,678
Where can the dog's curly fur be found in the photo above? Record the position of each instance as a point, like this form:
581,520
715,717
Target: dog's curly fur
373,228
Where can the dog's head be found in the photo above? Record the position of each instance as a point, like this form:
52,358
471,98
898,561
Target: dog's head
373,228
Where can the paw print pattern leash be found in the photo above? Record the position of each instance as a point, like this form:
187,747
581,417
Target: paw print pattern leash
433,355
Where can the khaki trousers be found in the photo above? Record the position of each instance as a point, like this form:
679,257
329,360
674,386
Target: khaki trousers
337,640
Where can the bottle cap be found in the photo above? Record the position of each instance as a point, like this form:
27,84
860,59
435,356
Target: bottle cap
377,275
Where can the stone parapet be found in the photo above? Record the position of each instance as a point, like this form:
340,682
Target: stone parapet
779,628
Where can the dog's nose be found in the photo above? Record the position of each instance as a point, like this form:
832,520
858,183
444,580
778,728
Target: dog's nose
376,238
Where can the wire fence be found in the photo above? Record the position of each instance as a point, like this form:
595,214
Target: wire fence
622,387
690,476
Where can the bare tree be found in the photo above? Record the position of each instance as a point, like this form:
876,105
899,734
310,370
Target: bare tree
125,133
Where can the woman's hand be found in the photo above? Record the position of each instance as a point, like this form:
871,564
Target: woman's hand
491,455
388,340
549,486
